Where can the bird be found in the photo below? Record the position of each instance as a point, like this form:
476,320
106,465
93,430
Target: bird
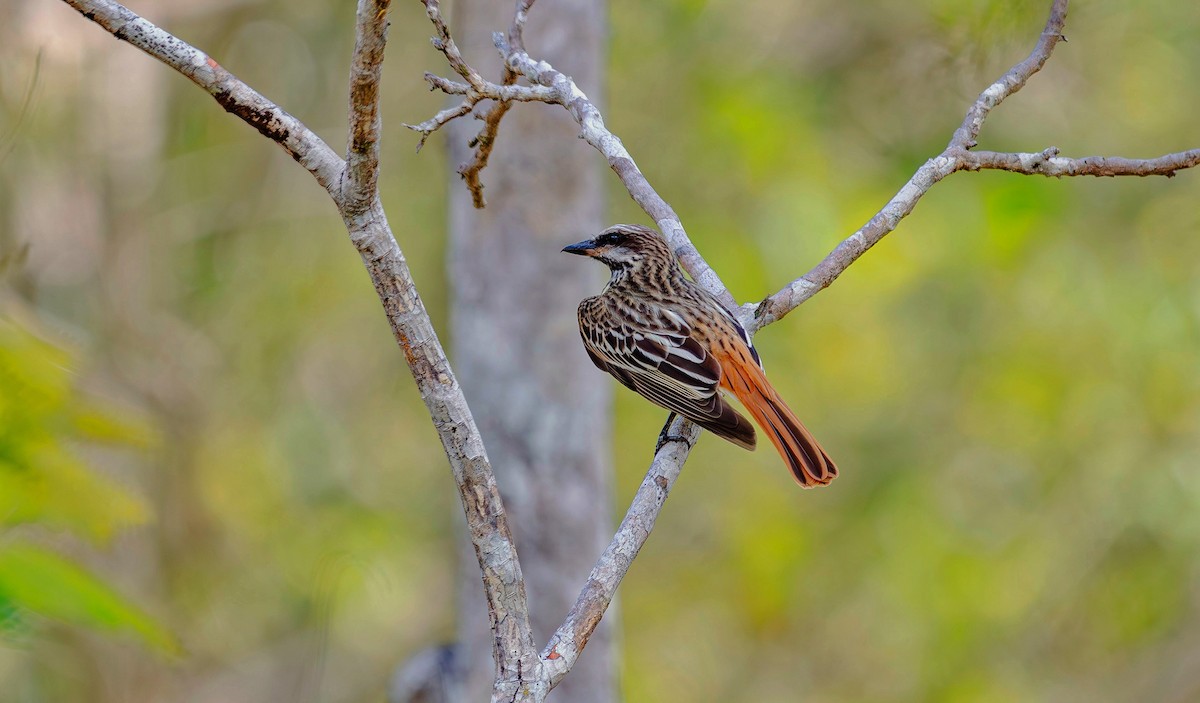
672,342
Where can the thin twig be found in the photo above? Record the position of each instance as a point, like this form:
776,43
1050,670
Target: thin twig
503,94
476,89
516,31
1013,80
441,119
444,43
485,141
774,307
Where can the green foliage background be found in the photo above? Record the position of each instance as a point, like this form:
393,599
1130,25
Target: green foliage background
217,481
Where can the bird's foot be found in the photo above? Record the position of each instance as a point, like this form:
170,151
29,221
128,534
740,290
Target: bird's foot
665,437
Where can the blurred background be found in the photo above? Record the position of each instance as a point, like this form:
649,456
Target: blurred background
217,481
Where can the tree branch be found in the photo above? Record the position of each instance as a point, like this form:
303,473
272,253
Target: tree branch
594,132
568,641
958,157
354,190
565,646
486,139
366,69
235,96
505,94
518,666
1049,163
773,308
478,90
551,86
484,142
475,90
1013,80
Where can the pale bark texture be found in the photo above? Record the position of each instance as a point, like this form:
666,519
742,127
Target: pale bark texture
542,408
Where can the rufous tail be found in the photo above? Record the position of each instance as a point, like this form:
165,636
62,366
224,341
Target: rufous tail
810,465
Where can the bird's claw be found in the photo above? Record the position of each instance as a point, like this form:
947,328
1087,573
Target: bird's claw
664,439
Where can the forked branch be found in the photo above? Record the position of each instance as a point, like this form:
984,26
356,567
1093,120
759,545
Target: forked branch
523,674
353,186
569,640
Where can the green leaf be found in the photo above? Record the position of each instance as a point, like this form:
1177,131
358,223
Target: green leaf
42,418
63,493
44,583
13,627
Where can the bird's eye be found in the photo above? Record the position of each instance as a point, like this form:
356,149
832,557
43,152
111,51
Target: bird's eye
608,239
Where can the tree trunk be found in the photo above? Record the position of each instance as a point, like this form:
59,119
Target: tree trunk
543,410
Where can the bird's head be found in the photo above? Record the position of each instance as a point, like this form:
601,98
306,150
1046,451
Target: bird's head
626,249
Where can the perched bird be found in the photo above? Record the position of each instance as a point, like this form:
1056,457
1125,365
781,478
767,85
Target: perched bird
672,342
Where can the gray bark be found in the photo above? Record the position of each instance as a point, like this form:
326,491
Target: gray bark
542,408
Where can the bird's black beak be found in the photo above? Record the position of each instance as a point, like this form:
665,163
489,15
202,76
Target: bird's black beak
584,248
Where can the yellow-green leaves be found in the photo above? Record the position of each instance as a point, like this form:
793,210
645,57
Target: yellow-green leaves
38,581
44,420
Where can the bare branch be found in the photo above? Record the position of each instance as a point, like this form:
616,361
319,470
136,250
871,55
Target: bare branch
503,94
475,90
519,668
491,91
958,157
444,43
235,96
483,143
1012,81
441,119
516,32
486,139
517,663
561,89
594,132
774,307
847,252
1049,163
366,69
572,636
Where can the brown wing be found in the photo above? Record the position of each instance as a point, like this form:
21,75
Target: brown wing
657,356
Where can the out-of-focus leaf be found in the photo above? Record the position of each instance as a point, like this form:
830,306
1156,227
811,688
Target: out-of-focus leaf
50,586
102,425
41,417
62,493
12,625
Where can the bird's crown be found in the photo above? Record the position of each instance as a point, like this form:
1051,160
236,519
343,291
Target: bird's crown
623,245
